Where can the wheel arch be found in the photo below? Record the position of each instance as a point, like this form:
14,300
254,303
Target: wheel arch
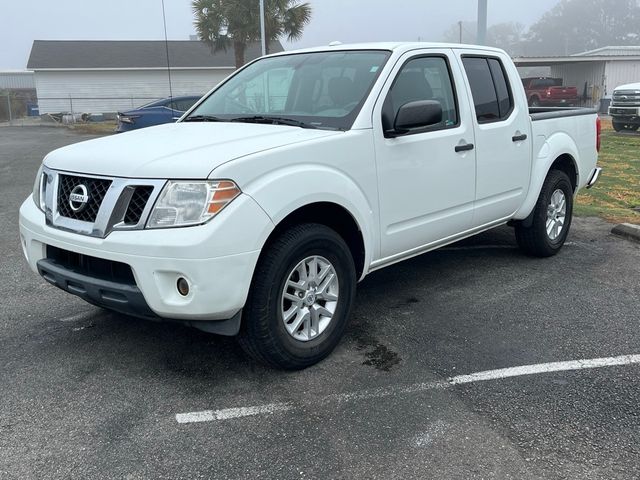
567,164
558,152
331,215
334,199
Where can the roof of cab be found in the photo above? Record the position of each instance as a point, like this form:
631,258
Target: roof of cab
400,47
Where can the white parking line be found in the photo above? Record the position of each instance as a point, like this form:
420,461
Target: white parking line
79,316
238,412
228,413
544,368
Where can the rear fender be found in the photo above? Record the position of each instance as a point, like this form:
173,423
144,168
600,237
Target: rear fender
553,147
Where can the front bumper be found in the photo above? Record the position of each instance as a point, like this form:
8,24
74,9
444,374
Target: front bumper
119,296
217,259
625,114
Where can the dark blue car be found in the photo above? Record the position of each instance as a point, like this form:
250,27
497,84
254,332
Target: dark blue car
167,110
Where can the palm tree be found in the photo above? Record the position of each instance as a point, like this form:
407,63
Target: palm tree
236,23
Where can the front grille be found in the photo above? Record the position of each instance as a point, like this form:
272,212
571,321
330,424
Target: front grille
96,190
136,204
626,99
92,266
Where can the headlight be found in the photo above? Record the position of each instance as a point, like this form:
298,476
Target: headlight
39,189
184,203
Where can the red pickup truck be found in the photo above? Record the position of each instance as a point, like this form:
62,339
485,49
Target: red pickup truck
549,92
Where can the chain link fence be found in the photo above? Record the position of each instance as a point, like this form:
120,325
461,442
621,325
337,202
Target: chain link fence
20,106
17,104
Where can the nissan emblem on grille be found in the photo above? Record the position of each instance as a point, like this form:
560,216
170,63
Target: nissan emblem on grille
78,198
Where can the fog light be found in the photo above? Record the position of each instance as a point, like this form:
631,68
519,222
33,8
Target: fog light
183,287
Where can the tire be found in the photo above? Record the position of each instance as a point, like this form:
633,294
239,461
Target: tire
535,102
263,334
535,240
618,127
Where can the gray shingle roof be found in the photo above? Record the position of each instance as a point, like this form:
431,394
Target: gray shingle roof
132,54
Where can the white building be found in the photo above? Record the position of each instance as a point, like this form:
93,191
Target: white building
596,72
108,76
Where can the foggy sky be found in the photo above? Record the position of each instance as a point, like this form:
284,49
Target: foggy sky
344,20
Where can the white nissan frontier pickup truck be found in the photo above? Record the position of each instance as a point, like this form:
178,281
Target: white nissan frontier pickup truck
258,211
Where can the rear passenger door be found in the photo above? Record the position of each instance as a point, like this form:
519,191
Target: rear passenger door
502,130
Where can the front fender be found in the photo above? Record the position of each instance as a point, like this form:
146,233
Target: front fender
280,192
549,150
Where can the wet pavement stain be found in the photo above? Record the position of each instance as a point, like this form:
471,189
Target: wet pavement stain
382,358
377,355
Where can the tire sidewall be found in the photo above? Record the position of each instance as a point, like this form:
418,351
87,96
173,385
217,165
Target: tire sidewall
320,241
558,180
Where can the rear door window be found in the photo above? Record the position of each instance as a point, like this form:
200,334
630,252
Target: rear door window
505,101
490,89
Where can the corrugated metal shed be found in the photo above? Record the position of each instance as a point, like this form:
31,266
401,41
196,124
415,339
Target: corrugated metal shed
602,70
577,74
17,80
611,51
621,73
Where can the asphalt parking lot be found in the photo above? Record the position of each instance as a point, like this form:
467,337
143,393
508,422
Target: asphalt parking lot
91,394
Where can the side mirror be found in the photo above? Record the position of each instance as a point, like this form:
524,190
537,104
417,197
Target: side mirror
416,115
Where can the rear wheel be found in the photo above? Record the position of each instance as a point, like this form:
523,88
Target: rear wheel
534,102
551,218
300,298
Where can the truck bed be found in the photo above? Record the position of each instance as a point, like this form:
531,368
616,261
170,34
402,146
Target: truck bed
572,128
543,113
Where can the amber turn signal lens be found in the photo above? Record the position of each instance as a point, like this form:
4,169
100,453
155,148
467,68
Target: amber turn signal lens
223,194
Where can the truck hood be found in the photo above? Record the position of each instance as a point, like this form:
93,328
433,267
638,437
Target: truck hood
629,86
177,150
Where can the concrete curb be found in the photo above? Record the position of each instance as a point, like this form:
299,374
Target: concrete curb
628,231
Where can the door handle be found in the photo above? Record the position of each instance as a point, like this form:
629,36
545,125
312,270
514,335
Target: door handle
464,148
519,138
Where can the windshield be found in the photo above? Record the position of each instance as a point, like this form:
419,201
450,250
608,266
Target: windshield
316,90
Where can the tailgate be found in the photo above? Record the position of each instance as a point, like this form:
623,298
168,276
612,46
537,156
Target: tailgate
563,92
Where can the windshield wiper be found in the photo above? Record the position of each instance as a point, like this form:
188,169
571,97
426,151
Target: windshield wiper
204,118
273,121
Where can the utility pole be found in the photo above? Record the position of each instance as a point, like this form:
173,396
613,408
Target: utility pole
460,28
166,48
262,29
482,22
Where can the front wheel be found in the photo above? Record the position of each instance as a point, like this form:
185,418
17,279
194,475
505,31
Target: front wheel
301,296
551,218
618,127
